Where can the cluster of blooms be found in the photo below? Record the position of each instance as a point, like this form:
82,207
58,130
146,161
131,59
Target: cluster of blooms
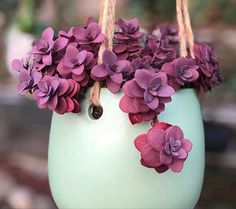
146,66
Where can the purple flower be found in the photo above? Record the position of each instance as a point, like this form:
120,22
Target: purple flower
206,58
57,94
209,73
146,95
127,41
163,147
160,50
42,47
75,64
169,33
129,29
181,70
112,71
155,87
28,76
89,35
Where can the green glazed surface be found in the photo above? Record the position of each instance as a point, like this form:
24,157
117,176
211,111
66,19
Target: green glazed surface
94,164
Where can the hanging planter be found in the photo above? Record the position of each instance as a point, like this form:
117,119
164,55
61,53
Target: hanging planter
142,146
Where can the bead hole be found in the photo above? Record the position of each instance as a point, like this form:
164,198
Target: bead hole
95,112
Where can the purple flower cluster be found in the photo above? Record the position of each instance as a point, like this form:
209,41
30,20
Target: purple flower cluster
57,68
146,65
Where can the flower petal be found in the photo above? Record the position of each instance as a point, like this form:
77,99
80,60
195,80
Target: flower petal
164,158
143,77
187,145
99,72
48,34
176,165
150,156
112,86
47,59
154,103
140,141
117,78
165,91
127,105
156,138
131,89
108,57
174,132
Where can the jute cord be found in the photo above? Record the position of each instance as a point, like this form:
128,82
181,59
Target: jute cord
107,24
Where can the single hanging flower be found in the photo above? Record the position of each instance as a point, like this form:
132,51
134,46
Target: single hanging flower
163,147
112,71
181,71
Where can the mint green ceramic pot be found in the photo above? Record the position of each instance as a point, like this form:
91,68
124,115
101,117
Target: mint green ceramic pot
94,164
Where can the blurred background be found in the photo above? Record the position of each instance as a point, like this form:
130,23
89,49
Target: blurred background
24,129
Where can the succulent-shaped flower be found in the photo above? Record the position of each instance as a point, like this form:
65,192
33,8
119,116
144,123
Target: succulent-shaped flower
91,34
57,94
75,64
129,29
146,94
163,147
209,73
43,47
28,76
127,39
206,58
170,33
112,71
181,71
160,50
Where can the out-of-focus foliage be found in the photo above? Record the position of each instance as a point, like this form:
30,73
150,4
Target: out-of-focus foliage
209,11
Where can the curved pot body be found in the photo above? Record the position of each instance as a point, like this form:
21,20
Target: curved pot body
94,164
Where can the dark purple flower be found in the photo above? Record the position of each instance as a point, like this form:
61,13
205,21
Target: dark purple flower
169,33
142,62
160,51
181,71
163,147
206,58
129,29
209,73
127,41
89,35
28,76
57,94
111,70
75,64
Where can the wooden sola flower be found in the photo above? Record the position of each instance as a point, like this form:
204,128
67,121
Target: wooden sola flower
146,66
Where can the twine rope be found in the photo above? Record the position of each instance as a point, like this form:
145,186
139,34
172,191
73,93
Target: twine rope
107,24
186,37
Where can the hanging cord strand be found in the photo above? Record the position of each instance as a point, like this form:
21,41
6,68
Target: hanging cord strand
188,28
186,38
182,36
107,23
